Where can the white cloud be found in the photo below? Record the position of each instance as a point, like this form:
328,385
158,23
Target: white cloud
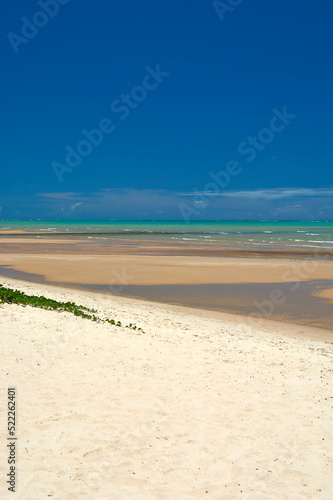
116,203
75,206
268,194
59,196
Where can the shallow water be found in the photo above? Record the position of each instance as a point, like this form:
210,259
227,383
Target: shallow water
300,306
309,235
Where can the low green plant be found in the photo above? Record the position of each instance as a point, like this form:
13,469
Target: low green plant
10,296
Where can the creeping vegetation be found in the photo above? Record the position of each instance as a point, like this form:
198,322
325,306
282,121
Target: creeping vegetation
9,296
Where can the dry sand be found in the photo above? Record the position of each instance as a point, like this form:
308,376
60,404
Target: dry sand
200,405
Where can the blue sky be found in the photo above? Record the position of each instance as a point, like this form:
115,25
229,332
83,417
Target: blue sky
196,113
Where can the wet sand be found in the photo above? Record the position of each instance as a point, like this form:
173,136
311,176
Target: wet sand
29,243
308,306
327,293
278,286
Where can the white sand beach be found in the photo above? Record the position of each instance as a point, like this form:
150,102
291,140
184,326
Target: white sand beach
199,405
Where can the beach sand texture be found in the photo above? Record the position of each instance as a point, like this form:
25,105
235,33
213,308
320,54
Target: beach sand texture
200,405
191,275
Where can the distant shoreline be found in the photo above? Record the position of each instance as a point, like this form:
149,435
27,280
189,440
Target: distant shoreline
29,243
289,237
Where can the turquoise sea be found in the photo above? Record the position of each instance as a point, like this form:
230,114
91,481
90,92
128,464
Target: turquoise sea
308,235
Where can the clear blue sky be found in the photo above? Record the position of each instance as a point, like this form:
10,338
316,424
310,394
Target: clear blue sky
220,82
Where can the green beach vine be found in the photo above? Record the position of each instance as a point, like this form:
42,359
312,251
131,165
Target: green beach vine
10,296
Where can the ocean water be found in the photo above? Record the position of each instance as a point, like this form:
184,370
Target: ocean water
307,235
